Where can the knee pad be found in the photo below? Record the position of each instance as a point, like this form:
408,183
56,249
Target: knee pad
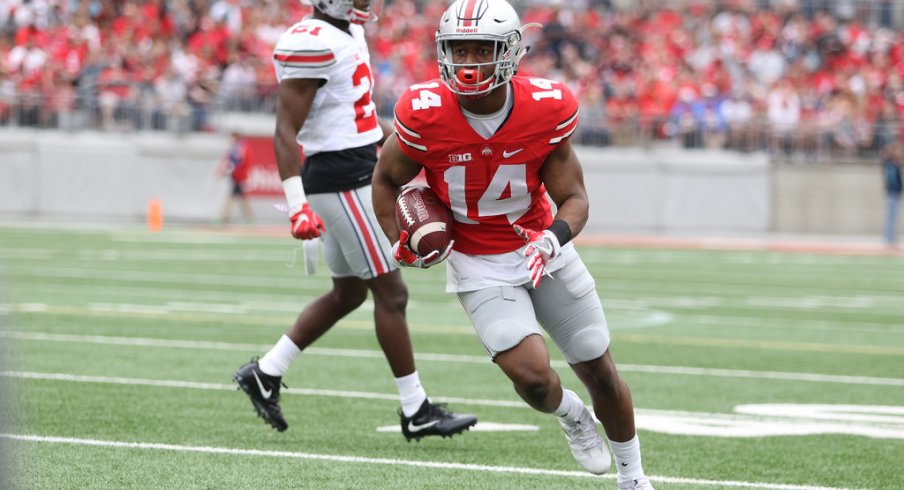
587,344
502,335
502,317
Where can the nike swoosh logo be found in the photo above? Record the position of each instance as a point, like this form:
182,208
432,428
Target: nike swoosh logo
509,154
418,428
265,393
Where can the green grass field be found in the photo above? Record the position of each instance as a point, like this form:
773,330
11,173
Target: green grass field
748,370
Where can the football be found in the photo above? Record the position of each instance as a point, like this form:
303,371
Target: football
427,220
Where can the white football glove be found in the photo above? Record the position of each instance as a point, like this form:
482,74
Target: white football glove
541,247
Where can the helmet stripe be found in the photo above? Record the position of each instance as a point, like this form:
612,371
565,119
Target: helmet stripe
468,16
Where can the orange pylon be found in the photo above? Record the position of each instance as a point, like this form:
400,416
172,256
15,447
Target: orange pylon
155,215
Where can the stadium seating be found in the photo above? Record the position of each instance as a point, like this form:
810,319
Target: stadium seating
802,79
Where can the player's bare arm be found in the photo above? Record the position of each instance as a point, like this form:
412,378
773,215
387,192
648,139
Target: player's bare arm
393,170
294,99
387,131
563,177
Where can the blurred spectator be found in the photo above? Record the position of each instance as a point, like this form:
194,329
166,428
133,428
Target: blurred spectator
26,58
888,125
592,129
116,96
201,95
229,13
685,121
233,165
712,121
621,114
7,98
172,94
239,84
766,64
738,116
892,164
838,122
784,113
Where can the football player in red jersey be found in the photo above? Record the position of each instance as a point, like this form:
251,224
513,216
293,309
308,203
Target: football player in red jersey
324,104
492,145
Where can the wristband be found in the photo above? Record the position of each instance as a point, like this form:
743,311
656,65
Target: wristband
295,196
561,230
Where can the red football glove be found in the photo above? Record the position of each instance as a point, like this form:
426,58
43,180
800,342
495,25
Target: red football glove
541,246
306,225
405,257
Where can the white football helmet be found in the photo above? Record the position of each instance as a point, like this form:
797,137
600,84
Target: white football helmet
483,20
344,10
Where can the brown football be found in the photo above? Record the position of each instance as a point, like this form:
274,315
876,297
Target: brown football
427,220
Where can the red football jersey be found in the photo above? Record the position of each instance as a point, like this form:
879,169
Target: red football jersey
490,184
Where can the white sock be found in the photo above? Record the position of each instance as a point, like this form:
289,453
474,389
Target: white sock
411,393
627,459
571,407
277,361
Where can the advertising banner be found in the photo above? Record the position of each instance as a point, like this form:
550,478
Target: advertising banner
257,172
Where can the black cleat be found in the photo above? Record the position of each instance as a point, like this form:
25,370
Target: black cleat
434,420
263,390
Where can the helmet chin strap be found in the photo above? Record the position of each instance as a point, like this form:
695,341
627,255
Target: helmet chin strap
362,16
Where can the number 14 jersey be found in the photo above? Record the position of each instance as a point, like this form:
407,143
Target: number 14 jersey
490,184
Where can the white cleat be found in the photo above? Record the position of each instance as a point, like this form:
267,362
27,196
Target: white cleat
642,483
587,447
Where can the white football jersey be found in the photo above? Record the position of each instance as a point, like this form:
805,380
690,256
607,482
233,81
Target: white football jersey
343,114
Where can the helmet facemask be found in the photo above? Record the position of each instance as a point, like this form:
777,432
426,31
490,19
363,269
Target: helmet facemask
474,79
346,10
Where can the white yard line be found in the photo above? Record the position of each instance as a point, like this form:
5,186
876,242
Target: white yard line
741,373
615,283
454,358
193,385
433,465
591,254
365,395
883,422
776,301
682,308
207,279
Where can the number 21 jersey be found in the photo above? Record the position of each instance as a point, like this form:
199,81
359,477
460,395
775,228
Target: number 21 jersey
342,116
490,184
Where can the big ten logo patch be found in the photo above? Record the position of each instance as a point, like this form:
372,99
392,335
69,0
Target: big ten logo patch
460,158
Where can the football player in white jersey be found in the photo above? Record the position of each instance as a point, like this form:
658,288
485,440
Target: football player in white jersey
492,145
324,104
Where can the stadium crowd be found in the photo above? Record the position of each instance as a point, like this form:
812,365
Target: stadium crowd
785,75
